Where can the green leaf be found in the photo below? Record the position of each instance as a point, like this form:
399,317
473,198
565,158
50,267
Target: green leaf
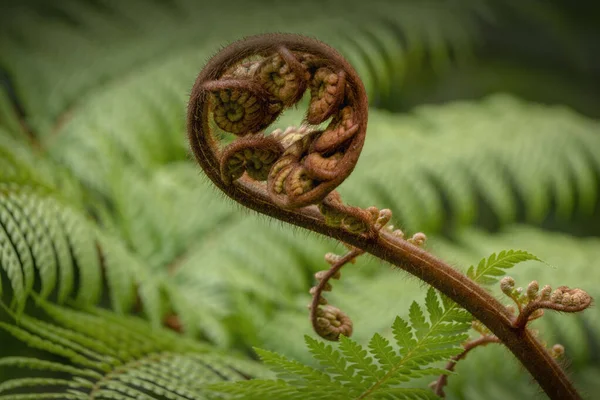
433,306
111,353
494,266
351,371
417,319
382,350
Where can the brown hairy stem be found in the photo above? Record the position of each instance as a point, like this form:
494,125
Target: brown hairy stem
303,212
443,379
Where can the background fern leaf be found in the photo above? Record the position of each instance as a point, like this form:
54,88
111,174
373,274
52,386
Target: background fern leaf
121,358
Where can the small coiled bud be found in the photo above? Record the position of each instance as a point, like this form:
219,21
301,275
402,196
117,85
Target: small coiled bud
333,322
398,233
320,275
557,351
327,92
579,297
418,239
383,218
332,258
507,285
557,296
545,293
532,290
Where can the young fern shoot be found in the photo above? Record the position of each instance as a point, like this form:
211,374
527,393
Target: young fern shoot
292,175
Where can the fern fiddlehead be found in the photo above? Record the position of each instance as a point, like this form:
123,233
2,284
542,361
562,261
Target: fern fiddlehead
243,89
301,166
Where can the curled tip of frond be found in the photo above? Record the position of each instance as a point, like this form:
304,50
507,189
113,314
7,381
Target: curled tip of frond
569,300
532,290
533,302
383,218
507,284
240,106
253,155
332,322
331,259
244,89
329,321
418,239
545,293
557,351
396,232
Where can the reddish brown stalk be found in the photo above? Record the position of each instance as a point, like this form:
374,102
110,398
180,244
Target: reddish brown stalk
443,379
301,209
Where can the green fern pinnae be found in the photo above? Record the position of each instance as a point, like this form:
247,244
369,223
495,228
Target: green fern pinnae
43,365
37,229
112,356
354,372
46,396
488,270
37,382
45,236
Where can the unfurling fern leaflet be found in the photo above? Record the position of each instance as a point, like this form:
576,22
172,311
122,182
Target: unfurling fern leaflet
380,371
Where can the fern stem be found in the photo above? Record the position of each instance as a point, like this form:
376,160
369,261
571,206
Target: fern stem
383,245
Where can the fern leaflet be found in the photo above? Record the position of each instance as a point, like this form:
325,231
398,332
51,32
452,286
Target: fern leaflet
488,270
354,372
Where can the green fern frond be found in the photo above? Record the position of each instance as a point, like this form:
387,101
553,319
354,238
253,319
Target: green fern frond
111,356
354,372
488,270
49,246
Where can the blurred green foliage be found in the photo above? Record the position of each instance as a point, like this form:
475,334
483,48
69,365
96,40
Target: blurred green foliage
483,133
